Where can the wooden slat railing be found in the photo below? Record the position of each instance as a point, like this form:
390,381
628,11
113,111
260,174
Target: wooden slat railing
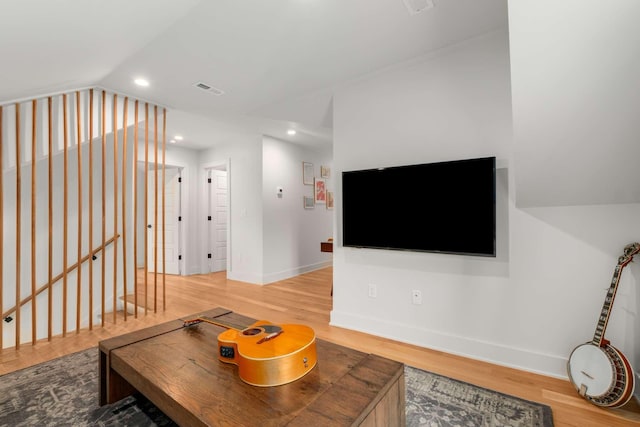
47,130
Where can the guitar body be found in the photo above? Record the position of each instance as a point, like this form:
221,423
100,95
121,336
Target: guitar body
267,354
602,375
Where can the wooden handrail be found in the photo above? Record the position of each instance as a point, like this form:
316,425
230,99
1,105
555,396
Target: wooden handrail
59,276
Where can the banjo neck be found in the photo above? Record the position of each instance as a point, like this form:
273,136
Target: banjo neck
629,251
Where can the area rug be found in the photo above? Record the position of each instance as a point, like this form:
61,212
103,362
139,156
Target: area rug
436,401
64,392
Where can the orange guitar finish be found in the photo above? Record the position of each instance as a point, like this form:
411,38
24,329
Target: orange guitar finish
267,354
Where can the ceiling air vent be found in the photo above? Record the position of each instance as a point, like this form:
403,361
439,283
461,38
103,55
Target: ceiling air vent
208,88
417,6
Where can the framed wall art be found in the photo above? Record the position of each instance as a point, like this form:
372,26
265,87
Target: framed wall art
307,173
329,199
325,171
308,202
320,190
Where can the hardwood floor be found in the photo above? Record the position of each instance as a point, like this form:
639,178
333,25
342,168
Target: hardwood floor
306,299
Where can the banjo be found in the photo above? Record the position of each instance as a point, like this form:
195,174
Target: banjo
599,371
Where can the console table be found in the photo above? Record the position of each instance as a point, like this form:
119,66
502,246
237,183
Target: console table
177,369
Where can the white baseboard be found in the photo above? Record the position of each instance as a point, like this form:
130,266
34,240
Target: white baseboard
287,274
497,354
274,277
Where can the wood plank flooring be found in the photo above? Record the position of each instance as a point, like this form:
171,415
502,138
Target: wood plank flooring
306,299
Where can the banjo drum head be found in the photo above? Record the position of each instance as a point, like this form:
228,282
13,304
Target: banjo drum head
589,366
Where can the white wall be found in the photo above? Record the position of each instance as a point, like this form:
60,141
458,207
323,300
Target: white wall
271,238
576,101
42,242
292,234
244,156
541,296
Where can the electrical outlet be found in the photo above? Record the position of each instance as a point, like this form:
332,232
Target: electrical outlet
416,296
373,290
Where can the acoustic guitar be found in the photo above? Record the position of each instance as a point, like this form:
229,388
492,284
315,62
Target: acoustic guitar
266,354
599,371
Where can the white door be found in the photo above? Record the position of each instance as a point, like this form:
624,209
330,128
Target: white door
217,220
171,222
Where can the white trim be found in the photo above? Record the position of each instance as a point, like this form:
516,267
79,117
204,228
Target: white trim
184,212
203,208
44,96
292,272
517,358
80,89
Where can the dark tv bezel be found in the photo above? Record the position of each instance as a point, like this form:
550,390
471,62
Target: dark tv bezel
493,253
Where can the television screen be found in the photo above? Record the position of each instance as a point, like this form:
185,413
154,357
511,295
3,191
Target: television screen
446,207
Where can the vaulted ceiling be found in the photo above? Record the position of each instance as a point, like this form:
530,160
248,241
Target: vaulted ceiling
276,61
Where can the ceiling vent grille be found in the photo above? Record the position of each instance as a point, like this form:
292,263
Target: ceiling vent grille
417,6
208,88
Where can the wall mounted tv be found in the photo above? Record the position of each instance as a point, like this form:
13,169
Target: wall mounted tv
447,207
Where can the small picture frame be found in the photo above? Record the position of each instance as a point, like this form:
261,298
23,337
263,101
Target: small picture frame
320,190
308,202
307,173
325,171
329,200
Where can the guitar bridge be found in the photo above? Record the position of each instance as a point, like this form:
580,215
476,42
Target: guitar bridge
583,390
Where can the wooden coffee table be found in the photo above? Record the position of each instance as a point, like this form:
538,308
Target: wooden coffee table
177,369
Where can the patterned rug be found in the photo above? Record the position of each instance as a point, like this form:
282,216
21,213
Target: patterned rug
64,392
436,401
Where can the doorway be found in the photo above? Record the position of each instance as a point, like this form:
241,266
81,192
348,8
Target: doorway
217,218
151,226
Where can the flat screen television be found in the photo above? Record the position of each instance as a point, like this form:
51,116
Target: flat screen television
447,207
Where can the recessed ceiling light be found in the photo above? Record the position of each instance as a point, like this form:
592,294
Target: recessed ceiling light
141,82
291,132
178,138
172,141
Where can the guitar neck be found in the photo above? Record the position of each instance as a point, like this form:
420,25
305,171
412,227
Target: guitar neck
217,322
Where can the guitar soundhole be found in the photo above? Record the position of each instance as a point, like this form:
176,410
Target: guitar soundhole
252,331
